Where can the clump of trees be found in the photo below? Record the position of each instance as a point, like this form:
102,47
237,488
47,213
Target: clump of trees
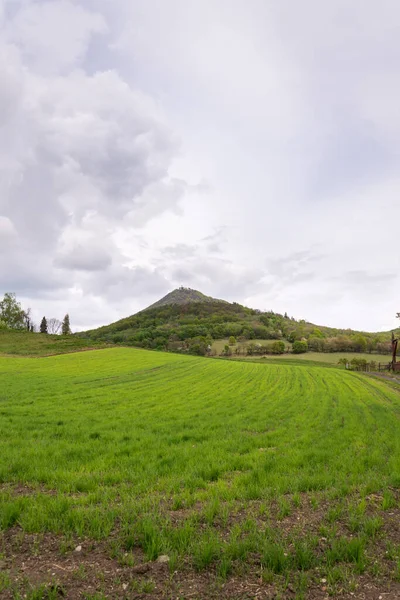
358,364
255,349
13,316
53,326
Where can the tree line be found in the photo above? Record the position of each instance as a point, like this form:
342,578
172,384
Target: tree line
53,326
13,316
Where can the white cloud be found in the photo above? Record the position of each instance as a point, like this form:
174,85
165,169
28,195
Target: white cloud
111,113
54,35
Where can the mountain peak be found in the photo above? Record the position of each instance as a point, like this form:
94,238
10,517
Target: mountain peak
183,295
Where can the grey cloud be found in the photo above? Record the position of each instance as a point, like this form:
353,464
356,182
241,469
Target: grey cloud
107,115
84,258
214,248
156,199
180,251
32,278
290,269
354,154
220,277
8,235
217,235
53,35
121,283
367,280
73,145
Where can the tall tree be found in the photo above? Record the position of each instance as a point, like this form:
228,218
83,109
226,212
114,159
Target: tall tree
29,325
65,328
54,326
11,312
43,325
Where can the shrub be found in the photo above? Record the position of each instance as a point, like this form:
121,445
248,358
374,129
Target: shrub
299,347
278,347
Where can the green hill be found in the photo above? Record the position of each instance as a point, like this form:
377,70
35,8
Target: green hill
188,321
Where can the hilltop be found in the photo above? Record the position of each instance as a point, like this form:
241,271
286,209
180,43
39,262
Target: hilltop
186,320
184,295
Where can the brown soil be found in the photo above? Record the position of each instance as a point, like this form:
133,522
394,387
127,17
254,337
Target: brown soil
32,560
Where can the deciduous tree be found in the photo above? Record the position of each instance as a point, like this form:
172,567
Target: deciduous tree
11,312
54,326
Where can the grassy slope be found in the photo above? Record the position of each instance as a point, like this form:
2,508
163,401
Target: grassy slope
36,344
328,358
125,436
206,415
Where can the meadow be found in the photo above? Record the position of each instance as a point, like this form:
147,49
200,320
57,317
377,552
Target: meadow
21,343
328,358
239,474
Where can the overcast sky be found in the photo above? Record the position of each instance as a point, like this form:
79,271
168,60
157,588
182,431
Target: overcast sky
246,148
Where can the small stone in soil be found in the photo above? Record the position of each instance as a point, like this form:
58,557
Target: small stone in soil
164,558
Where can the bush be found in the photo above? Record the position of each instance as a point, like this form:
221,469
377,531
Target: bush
232,340
226,351
278,347
299,347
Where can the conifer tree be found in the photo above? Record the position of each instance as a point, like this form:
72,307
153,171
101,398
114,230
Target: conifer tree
43,325
66,329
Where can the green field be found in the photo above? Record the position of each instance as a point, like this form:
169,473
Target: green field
21,343
327,358
330,358
283,476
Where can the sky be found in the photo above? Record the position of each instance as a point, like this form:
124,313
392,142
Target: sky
249,149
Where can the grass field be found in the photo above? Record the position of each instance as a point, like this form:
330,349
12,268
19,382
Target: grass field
331,358
327,358
276,476
34,344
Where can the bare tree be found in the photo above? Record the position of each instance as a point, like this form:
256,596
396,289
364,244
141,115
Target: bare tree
28,319
54,326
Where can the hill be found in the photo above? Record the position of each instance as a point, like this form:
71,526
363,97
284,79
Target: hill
183,296
188,321
246,476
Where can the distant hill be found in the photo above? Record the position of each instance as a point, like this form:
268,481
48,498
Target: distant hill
186,320
184,295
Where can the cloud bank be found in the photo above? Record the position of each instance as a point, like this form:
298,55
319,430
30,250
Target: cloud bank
250,152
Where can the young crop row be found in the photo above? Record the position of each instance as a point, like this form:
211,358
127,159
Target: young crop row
197,459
